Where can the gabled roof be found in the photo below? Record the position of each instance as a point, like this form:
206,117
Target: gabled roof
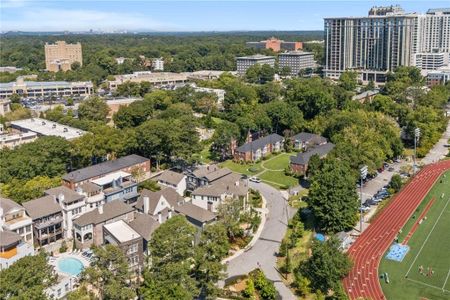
69,195
202,171
41,207
171,177
145,225
306,137
217,174
171,196
221,188
260,143
104,168
89,187
303,158
111,210
195,212
8,205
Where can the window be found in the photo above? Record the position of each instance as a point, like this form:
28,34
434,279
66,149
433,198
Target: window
29,228
20,230
133,248
28,238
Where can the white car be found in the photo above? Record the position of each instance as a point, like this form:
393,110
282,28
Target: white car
255,179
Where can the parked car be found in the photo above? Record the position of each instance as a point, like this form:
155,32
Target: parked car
391,169
364,208
255,179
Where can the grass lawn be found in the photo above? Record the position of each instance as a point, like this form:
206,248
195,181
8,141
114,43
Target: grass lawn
278,179
429,247
205,154
216,120
279,162
242,168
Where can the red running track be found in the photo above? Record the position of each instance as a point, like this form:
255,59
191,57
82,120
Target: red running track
368,249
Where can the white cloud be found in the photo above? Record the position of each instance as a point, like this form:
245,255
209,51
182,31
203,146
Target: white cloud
46,19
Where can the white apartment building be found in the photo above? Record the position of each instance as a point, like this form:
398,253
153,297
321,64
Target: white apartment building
245,62
296,61
158,64
382,41
156,79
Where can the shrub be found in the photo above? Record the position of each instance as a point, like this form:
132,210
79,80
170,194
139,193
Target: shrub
249,291
63,247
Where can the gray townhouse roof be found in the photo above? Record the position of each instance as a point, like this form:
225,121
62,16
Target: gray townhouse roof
260,143
303,158
195,212
8,205
41,207
217,174
145,225
168,193
8,237
111,210
365,94
89,187
171,177
69,195
306,137
220,188
202,171
104,168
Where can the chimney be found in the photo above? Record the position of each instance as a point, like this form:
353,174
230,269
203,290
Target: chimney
146,201
159,218
100,209
170,214
61,197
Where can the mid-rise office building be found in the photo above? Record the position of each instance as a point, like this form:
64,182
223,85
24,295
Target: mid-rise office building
276,45
45,88
296,61
60,56
440,76
384,40
155,79
245,62
158,64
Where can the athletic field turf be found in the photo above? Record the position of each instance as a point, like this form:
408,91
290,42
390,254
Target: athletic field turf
429,247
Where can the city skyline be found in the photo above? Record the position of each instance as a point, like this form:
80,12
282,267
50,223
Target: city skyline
28,15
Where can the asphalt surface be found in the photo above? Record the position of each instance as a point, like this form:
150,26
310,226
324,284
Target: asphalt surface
265,249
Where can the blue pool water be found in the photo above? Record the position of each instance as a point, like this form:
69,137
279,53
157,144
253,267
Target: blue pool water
70,266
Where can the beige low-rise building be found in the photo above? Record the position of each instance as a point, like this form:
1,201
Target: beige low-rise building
155,79
60,56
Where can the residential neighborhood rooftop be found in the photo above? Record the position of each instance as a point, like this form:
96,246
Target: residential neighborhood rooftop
121,231
111,210
171,196
68,194
145,225
260,143
171,177
195,212
104,168
303,157
41,207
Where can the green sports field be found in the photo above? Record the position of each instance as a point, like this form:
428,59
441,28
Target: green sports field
429,247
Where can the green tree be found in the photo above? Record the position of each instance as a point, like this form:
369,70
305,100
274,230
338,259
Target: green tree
109,274
326,267
348,80
285,71
224,134
27,278
396,182
172,254
75,66
15,98
314,165
212,248
23,190
332,197
94,109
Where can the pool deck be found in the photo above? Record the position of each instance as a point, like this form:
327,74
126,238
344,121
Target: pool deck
53,260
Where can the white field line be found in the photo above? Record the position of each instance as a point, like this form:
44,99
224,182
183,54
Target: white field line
428,236
446,279
429,285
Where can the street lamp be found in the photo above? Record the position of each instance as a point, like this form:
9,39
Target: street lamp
416,140
363,175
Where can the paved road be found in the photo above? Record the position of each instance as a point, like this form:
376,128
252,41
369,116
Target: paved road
265,249
439,150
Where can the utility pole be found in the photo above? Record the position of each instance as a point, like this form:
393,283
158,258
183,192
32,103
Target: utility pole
416,140
363,175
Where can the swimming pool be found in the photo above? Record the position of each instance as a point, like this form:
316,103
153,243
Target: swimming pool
70,265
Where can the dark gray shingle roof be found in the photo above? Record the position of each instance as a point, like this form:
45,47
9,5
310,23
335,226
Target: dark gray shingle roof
195,212
69,195
145,225
171,177
8,205
8,237
168,193
104,168
303,158
306,137
260,143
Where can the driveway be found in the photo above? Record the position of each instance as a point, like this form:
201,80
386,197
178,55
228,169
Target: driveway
265,249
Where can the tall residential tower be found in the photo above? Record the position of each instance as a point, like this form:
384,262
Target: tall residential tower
60,56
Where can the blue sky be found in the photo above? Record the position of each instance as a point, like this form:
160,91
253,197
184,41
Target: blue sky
147,15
